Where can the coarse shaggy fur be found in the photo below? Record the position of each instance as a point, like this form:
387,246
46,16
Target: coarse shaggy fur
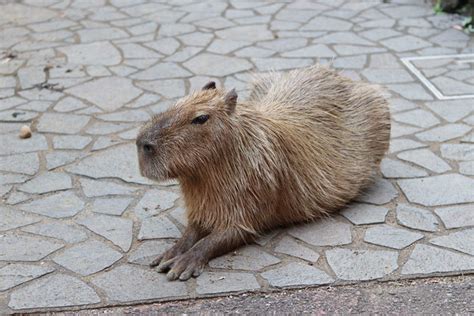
304,144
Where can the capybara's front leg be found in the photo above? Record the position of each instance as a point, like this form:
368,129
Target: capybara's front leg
192,262
191,235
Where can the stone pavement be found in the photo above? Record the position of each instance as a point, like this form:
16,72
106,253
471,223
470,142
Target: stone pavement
78,225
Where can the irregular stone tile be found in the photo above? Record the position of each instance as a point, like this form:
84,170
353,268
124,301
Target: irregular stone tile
69,104
450,86
31,76
87,258
268,64
379,34
105,128
22,163
59,205
47,182
94,188
456,216
384,76
284,44
71,142
126,116
326,232
391,237
61,123
158,227
451,110
396,169
405,43
132,50
302,16
248,33
321,23
117,230
171,88
154,202
25,248
344,38
296,274
402,130
418,117
406,11
60,158
12,178
290,247
345,50
57,290
162,71
361,264
59,230
381,192
166,46
457,151
100,34
466,167
179,214
254,52
352,62
116,162
128,283
318,50
402,144
426,159
111,206
416,218
98,53
173,29
221,282
469,138
184,54
444,133
250,258
149,251
17,116
216,65
11,219
12,144
22,14
462,241
108,93
18,273
411,91
196,39
427,259
361,214
455,189
225,46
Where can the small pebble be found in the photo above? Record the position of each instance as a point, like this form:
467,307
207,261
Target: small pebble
25,131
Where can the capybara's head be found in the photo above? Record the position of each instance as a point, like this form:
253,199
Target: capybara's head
190,136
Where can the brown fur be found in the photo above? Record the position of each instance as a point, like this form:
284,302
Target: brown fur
303,145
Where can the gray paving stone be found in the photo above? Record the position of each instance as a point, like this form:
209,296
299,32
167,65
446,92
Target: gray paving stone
158,227
129,283
384,76
254,52
467,168
179,214
171,88
250,258
416,218
105,128
361,214
154,202
18,273
196,39
59,205
361,264
346,50
71,142
296,274
427,259
22,163
111,206
11,219
61,123
343,38
126,116
57,290
418,117
162,71
69,104
100,34
321,23
391,237
402,144
402,130
116,162
289,246
12,144
147,251
248,33
458,151
117,230
166,46
94,188
351,62
301,16
411,91
98,53
425,158
451,110
47,182
216,65
444,133
379,34
284,44
222,282
455,189
396,169
323,233
31,76
17,116
268,64
17,197
60,158
59,230
381,192
461,240
87,258
314,51
25,248
405,43
108,93
12,178
456,216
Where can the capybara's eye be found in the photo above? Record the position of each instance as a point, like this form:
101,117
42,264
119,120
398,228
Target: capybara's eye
201,119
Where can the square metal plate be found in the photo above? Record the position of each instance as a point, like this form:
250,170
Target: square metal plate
448,77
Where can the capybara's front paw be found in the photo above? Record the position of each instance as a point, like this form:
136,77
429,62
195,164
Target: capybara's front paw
184,266
169,254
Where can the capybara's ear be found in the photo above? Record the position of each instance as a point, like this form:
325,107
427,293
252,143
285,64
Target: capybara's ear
230,100
210,85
